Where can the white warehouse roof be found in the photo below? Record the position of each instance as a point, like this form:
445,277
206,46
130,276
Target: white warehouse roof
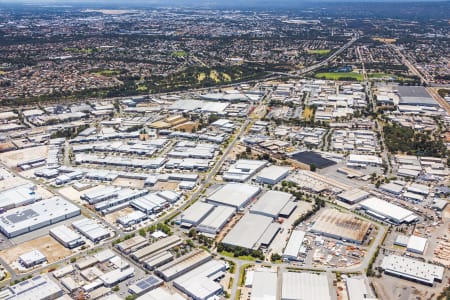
302,286
387,210
264,285
271,203
248,231
234,194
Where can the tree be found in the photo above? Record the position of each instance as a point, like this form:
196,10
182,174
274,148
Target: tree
312,167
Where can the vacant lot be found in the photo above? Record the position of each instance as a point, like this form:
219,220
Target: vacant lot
53,250
319,51
165,186
127,182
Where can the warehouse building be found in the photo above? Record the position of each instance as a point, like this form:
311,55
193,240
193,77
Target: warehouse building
162,244
216,220
358,289
341,226
412,269
91,229
40,214
364,160
392,188
293,246
161,293
264,285
301,286
272,175
132,218
145,285
200,284
271,203
195,214
415,96
32,258
236,195
116,276
133,244
66,236
157,260
386,211
353,196
63,271
38,287
416,244
243,169
183,264
248,231
18,196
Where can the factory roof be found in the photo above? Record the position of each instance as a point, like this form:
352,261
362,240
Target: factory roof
271,203
273,173
353,195
22,218
416,244
161,293
301,286
196,212
39,287
248,231
264,285
234,194
218,216
386,209
294,244
357,289
412,269
33,256
337,224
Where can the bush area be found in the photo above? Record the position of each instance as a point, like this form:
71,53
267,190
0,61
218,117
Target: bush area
239,251
405,140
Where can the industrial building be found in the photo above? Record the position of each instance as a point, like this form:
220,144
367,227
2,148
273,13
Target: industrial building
216,220
264,285
364,160
195,214
341,226
91,229
272,175
144,285
28,218
66,236
412,269
200,283
133,244
38,287
158,259
358,289
18,196
32,258
236,195
386,211
115,276
183,264
132,218
293,246
301,286
161,293
353,196
248,231
164,243
243,169
416,244
271,203
415,96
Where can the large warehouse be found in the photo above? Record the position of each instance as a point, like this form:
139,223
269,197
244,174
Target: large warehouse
412,269
294,244
248,231
66,236
216,220
386,211
236,195
415,95
335,224
302,286
272,175
264,285
271,203
28,218
195,214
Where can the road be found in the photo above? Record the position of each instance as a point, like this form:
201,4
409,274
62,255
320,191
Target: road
410,66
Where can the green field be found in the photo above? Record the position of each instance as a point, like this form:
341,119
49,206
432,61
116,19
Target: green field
179,53
339,76
141,88
319,51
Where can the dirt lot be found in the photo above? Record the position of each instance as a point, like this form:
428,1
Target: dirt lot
12,158
112,217
70,193
47,245
165,186
127,182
